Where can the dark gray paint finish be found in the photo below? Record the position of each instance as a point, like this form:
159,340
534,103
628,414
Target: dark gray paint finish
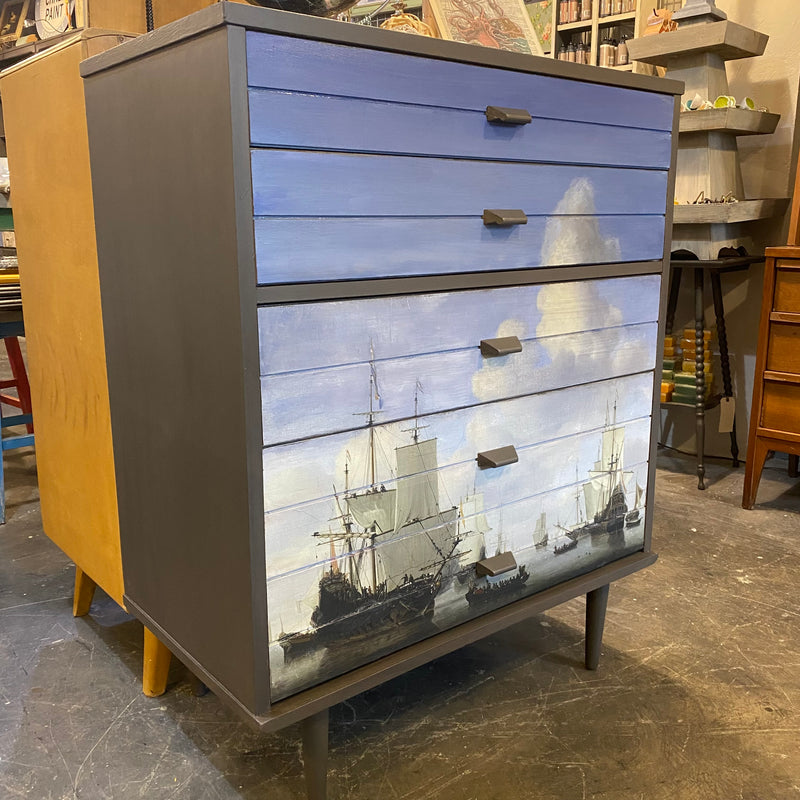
284,22
180,379
183,478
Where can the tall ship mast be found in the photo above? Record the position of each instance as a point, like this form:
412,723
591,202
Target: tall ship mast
389,553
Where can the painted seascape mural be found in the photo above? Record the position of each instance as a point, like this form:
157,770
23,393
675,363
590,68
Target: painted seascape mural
374,413
376,508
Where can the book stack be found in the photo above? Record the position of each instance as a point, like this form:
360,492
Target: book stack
669,366
685,387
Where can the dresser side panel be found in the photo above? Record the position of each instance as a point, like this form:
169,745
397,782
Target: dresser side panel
161,132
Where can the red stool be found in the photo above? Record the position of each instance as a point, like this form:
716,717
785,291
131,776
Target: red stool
19,380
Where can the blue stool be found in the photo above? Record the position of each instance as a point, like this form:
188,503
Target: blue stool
7,329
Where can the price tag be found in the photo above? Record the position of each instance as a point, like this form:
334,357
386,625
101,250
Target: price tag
52,17
727,411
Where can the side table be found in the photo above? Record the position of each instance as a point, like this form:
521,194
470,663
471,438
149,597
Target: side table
715,268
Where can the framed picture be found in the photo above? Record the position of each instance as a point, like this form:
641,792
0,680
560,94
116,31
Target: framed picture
503,24
12,18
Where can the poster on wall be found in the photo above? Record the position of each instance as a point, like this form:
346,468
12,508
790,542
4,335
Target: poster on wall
52,17
541,14
502,24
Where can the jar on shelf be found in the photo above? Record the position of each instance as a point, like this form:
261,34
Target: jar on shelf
608,53
619,6
586,9
563,12
622,50
562,52
571,52
574,10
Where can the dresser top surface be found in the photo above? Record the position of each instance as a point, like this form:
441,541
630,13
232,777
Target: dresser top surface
309,27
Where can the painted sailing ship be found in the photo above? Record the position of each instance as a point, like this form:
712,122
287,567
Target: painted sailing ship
604,492
473,528
633,517
540,531
483,592
389,554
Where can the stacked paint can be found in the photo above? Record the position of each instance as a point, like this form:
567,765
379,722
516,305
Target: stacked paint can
679,368
669,366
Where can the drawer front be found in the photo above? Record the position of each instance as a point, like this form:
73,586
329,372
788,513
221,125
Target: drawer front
780,409
275,62
418,355
783,351
321,122
787,287
307,249
358,569
288,183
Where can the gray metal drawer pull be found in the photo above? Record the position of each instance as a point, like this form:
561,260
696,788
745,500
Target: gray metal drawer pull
489,459
491,348
504,217
496,565
508,116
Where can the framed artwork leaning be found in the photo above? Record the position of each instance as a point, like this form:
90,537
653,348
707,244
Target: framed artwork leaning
502,24
12,18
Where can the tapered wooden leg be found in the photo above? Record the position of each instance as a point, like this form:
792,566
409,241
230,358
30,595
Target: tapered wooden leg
793,471
84,593
315,755
596,604
756,458
156,665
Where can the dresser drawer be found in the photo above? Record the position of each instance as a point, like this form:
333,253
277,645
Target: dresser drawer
783,350
567,505
320,122
307,249
787,286
421,354
291,183
274,62
780,408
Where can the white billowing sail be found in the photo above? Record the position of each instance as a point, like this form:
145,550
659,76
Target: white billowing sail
417,482
595,495
474,528
374,508
540,531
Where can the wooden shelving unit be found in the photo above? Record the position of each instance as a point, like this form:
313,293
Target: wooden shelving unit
594,29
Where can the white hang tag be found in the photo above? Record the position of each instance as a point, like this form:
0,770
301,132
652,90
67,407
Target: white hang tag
727,411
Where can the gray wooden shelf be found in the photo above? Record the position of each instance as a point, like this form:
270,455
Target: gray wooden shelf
725,39
727,213
736,121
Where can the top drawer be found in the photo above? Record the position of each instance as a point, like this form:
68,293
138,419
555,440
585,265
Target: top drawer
299,65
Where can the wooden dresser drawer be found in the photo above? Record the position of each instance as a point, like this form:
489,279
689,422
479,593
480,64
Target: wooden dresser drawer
275,62
783,350
421,354
320,122
780,408
429,510
787,286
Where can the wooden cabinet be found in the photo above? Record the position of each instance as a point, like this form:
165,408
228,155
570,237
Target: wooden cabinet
775,415
381,367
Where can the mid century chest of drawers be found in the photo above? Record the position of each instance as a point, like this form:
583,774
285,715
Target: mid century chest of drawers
382,317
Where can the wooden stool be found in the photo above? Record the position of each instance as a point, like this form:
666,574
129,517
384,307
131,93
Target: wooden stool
156,654
19,380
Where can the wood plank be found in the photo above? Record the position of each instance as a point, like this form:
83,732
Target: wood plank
743,211
726,39
302,471
441,381
736,121
306,183
313,121
782,377
276,62
336,248
785,316
309,336
288,529
63,322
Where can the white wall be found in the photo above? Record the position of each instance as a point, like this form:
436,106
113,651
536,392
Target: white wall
768,171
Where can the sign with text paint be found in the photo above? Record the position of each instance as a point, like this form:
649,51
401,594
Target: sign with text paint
52,17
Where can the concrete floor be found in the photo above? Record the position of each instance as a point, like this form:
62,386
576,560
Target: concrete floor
697,695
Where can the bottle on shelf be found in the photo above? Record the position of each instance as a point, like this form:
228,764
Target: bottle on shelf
607,52
622,50
571,52
562,52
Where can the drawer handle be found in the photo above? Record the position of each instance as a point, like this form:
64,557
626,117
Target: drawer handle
508,116
491,348
489,459
496,565
504,217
